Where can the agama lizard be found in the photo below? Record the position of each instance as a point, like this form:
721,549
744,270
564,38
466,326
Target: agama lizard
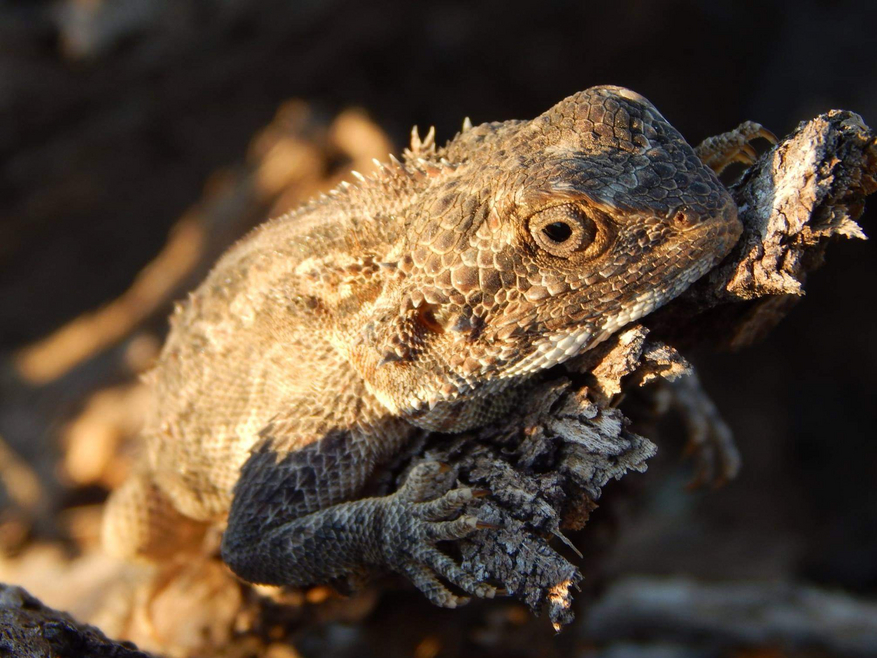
424,296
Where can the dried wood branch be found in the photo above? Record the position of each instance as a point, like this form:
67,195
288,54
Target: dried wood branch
725,616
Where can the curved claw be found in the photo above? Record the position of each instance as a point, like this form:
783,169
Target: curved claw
749,152
764,133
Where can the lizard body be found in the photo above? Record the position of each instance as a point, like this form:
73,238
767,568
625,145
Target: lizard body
424,296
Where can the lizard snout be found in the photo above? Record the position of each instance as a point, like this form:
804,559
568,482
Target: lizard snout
685,217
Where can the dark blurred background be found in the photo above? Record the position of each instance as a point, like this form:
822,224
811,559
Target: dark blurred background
115,118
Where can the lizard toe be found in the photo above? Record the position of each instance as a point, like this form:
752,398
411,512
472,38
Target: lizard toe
426,481
423,578
446,505
454,573
450,530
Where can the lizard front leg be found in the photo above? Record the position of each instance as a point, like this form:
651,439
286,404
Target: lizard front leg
294,520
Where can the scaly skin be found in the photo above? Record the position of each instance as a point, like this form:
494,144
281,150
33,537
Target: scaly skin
424,296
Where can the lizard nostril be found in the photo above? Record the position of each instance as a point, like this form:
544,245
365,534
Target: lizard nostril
684,218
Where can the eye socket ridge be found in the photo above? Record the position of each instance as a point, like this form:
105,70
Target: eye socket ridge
562,230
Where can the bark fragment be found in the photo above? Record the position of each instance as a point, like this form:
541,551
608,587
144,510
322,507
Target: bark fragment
30,629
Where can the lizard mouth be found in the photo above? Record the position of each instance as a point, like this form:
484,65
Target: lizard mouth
709,238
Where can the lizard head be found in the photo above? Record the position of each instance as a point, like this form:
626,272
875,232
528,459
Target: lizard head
532,241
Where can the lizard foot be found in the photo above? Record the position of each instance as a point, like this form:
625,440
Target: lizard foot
710,440
733,146
413,525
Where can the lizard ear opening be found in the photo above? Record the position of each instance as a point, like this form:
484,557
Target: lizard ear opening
428,319
562,230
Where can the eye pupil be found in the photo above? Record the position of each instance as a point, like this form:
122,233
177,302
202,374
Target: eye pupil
557,231
562,231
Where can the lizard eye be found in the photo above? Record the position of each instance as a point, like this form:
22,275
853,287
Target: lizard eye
562,230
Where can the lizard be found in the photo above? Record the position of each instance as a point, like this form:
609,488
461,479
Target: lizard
425,296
